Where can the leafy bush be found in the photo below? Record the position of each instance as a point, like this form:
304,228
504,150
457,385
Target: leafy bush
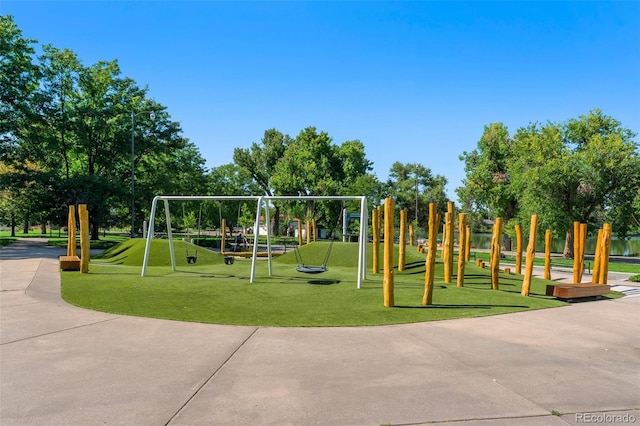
635,278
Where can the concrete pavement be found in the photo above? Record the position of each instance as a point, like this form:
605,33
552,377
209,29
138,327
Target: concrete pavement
61,364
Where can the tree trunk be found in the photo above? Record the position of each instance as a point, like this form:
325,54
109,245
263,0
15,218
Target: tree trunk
507,243
43,227
275,229
25,228
13,223
95,231
568,245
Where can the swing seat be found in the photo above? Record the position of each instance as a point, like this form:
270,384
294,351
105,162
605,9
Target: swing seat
311,269
192,259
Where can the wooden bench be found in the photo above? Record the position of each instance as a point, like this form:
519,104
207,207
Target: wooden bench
69,263
576,291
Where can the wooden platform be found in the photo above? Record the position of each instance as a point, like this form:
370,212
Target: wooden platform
576,291
69,263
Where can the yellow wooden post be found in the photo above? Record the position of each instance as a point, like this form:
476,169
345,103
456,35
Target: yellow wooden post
387,282
430,262
402,241
576,251
547,254
223,235
446,254
376,241
412,236
495,254
315,230
299,221
71,232
380,220
444,235
595,277
518,249
604,256
307,229
468,243
448,272
581,243
85,247
531,255
462,248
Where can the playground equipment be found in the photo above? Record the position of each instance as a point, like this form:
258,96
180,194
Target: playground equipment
194,257
430,262
387,281
262,204
71,262
301,267
531,254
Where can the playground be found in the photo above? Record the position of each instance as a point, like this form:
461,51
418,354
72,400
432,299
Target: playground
321,283
535,367
213,292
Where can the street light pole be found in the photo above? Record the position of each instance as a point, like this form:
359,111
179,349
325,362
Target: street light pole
152,115
416,194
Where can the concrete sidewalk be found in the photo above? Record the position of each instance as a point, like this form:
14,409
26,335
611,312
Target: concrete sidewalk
62,365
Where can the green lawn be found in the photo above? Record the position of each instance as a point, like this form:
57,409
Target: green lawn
212,292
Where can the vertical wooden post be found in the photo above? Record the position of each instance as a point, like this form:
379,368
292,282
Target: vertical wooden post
315,230
299,232
462,248
223,235
376,241
445,245
518,249
380,211
444,234
71,232
576,252
468,243
595,277
447,242
604,256
402,241
412,236
387,282
85,247
547,254
496,249
307,229
430,262
531,255
581,243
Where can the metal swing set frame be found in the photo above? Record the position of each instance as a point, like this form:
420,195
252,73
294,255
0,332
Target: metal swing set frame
262,204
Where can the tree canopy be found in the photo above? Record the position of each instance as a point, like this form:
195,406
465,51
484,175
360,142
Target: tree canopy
585,169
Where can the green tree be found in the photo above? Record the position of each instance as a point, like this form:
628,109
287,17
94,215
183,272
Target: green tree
18,80
585,170
487,184
231,179
313,165
260,160
414,186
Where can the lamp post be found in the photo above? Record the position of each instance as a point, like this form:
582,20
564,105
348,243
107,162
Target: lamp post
152,116
416,194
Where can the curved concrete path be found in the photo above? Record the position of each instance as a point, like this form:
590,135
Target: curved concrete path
62,365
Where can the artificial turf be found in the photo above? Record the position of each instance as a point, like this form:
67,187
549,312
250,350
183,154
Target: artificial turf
212,292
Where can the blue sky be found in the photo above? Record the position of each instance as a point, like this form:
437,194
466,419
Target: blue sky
414,81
